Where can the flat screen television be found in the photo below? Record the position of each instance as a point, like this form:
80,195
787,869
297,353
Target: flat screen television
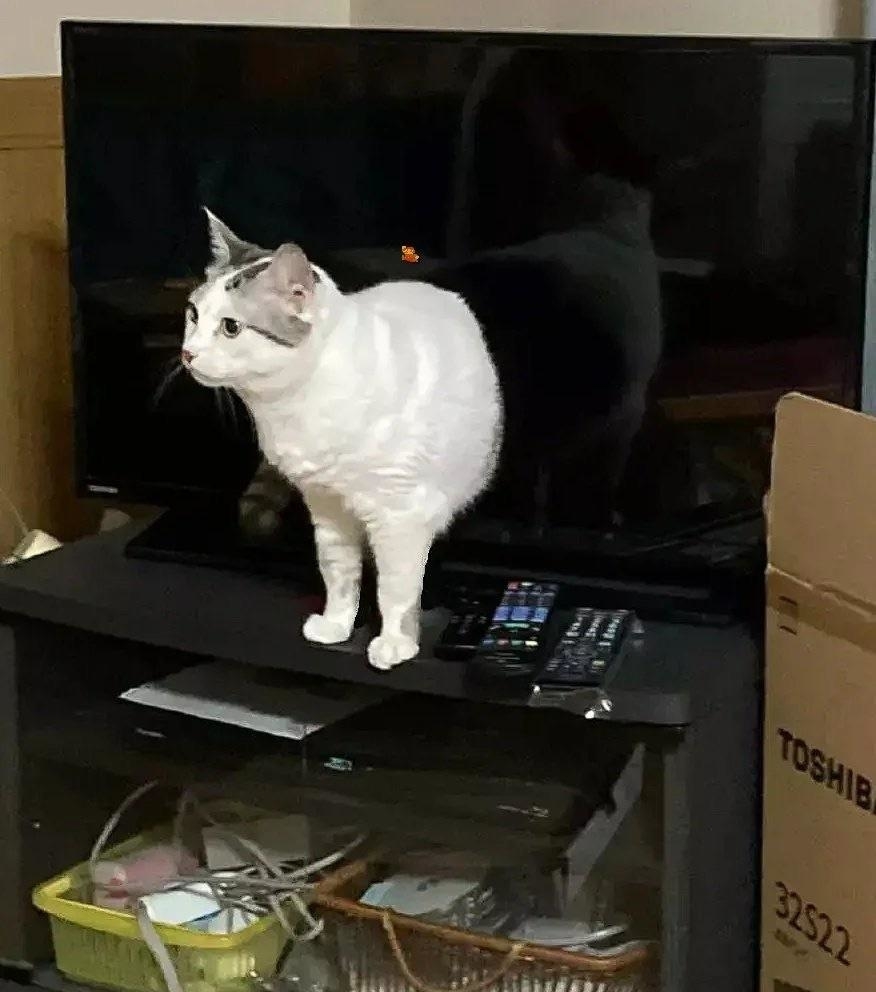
659,237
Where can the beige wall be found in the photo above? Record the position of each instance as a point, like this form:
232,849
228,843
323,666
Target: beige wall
799,18
29,28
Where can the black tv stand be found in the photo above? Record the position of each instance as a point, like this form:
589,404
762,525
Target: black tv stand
81,624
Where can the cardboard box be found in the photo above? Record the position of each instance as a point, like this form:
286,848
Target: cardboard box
819,838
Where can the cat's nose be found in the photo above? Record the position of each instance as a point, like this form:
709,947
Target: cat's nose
187,357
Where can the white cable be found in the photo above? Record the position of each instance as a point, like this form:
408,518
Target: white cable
157,949
272,884
16,515
113,822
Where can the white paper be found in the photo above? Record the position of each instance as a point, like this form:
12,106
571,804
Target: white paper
179,906
229,693
417,895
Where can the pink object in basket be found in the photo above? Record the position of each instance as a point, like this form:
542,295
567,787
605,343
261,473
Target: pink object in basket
118,881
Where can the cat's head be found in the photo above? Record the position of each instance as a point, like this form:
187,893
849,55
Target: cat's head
255,309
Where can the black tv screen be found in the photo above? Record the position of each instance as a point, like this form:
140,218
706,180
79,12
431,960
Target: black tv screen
659,237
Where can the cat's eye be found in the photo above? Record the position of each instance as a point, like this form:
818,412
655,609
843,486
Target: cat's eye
192,313
230,327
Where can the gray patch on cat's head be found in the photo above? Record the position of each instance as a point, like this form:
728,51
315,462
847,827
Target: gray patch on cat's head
229,251
284,291
253,269
245,274
272,295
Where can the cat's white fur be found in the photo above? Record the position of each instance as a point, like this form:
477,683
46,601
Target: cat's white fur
382,407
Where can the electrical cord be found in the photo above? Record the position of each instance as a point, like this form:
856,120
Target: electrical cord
16,514
261,888
266,887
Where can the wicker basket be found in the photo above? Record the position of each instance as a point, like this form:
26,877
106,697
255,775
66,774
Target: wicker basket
379,951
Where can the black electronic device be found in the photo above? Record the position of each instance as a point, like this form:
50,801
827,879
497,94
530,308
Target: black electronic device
587,649
507,766
509,649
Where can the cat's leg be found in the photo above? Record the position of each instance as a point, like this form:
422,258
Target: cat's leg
401,547
339,539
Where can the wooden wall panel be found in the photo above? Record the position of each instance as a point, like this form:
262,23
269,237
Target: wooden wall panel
36,448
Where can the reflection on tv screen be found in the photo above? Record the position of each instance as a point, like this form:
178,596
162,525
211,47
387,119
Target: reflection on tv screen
659,239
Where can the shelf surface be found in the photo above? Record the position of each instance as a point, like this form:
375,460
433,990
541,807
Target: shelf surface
669,677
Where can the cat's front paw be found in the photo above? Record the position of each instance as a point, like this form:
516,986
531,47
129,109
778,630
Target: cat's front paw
389,650
322,630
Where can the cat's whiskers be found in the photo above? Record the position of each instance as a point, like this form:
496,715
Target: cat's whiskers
219,399
250,419
229,406
174,367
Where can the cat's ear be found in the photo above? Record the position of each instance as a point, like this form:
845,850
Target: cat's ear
291,277
227,248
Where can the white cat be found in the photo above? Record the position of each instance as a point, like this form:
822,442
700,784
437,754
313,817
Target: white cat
382,407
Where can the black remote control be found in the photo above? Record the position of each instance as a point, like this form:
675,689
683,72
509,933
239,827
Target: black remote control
510,647
587,649
472,611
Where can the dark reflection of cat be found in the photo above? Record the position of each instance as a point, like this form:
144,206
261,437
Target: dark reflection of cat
549,243
573,322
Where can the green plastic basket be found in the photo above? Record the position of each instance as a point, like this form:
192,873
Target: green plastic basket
103,947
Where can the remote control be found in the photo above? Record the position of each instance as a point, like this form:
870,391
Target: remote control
472,612
587,649
509,648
